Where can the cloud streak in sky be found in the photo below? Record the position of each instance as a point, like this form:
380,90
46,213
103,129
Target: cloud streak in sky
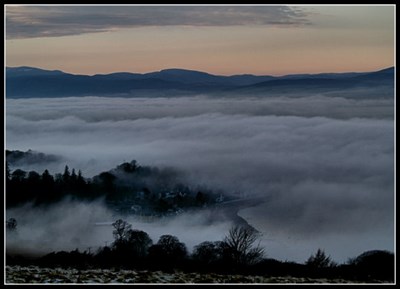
53,21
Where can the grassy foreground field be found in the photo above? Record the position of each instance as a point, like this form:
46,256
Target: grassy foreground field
34,274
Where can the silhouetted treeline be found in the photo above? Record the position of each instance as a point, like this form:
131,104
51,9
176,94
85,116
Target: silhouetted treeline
128,188
237,253
44,188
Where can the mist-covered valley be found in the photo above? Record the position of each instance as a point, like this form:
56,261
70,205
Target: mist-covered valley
322,166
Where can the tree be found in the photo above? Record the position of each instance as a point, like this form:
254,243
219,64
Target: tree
240,248
34,185
121,232
138,243
128,167
18,175
320,260
33,177
80,180
47,178
171,246
48,193
375,264
17,190
58,179
208,253
11,224
66,175
168,252
107,180
74,177
130,246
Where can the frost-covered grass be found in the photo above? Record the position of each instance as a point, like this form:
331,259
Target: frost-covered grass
34,274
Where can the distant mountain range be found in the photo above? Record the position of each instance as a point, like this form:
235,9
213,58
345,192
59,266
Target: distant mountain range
25,82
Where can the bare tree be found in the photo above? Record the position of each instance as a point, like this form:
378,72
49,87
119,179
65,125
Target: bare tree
121,231
240,246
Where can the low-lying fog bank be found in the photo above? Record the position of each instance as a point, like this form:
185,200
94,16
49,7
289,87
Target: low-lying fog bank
325,166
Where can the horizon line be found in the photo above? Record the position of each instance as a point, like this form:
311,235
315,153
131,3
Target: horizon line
201,71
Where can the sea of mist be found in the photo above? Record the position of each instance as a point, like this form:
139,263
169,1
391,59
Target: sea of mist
325,166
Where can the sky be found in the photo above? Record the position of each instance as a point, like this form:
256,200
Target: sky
223,40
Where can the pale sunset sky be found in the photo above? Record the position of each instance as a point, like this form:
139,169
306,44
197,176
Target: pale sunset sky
220,39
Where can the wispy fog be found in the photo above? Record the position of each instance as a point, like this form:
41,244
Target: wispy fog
71,225
324,165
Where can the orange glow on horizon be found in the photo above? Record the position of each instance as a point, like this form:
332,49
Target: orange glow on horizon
338,41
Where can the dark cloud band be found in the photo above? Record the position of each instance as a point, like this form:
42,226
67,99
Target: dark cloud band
52,21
